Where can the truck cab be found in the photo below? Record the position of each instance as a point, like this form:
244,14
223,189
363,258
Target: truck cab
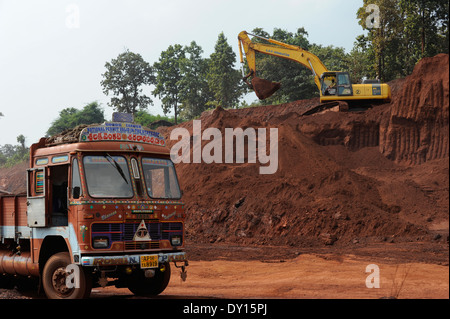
109,205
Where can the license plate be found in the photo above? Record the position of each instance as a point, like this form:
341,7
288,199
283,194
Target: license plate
149,261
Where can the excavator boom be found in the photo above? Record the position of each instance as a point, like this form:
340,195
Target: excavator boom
278,49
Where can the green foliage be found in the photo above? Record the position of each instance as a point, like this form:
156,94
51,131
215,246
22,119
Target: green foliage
71,117
224,81
409,30
189,84
195,93
382,39
168,78
334,58
425,27
124,78
359,60
11,155
146,119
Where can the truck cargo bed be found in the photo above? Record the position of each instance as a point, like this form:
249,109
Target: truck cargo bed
13,216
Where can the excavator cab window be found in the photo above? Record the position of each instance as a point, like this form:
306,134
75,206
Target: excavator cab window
329,85
344,85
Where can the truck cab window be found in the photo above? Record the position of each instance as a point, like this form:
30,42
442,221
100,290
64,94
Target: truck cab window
76,180
107,176
160,178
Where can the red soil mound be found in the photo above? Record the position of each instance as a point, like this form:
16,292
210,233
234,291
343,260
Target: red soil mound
417,128
339,176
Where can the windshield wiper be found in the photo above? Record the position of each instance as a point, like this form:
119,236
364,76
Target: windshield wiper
113,162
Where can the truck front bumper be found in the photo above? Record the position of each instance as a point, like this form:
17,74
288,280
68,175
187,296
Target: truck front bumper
130,259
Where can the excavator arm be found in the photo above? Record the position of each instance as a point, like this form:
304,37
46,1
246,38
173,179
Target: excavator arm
278,49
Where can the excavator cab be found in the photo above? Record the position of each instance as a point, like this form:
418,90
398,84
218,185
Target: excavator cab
336,83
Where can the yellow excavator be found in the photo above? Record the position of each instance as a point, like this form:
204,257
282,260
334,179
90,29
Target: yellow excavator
335,87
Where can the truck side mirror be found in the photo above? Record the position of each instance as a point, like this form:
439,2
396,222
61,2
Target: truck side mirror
76,191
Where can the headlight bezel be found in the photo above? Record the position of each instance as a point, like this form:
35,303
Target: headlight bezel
101,242
176,240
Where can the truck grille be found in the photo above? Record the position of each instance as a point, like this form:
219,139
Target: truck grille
141,245
125,232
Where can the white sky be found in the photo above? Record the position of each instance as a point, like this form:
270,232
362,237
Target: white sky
47,65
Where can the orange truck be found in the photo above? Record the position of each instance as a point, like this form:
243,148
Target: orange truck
102,209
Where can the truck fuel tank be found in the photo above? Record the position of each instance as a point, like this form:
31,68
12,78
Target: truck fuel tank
17,264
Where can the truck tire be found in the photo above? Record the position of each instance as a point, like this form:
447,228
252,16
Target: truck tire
139,285
54,279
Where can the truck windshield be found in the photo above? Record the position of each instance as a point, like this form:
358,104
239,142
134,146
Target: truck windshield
160,178
104,179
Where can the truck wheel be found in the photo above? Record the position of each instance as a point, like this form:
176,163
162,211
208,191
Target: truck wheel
54,279
139,285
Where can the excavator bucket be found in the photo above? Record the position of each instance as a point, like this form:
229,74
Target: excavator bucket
264,88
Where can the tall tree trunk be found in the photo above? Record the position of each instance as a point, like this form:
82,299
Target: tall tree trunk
176,111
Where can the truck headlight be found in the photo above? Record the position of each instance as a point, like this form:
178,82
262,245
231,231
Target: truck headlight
175,240
100,242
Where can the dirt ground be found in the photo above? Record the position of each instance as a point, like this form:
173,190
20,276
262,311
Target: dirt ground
237,272
417,270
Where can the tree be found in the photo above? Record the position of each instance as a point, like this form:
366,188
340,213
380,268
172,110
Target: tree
71,117
426,26
384,37
223,80
334,58
408,30
168,78
194,89
358,61
124,78
21,140
1,114
13,154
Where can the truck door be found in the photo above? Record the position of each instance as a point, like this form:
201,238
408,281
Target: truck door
58,181
36,197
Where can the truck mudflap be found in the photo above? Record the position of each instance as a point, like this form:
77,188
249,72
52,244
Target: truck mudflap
132,259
